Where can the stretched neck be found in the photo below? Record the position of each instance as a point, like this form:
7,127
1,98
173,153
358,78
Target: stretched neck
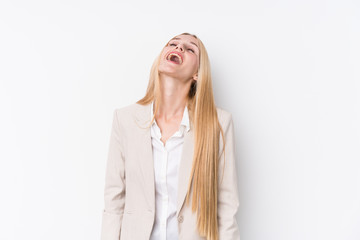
174,95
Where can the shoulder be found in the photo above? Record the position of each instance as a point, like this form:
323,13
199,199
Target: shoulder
224,116
128,113
129,109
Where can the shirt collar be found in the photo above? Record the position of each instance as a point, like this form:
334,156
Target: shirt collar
184,121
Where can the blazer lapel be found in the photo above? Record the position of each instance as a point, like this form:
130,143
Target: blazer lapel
143,119
146,160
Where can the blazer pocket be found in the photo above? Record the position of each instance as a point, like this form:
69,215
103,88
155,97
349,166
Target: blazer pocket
128,211
126,226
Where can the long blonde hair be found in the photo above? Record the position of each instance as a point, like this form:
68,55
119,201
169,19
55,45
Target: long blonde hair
203,117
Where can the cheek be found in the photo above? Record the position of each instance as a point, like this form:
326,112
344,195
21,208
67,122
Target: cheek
162,58
195,63
163,53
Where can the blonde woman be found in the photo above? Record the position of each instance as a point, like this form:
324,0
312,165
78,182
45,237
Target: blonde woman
171,171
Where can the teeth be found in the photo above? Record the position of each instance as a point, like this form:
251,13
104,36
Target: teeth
174,54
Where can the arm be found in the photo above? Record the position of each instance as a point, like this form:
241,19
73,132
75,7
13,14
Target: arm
114,194
228,199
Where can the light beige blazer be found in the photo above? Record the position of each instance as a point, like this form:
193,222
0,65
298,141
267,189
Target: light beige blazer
129,210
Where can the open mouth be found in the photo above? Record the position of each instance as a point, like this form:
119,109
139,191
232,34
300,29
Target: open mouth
175,58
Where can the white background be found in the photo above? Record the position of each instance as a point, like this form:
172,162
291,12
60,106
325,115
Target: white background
288,71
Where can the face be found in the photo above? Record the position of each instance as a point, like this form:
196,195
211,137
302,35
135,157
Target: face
180,58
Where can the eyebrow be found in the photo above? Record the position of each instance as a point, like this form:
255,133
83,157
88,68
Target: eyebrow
176,38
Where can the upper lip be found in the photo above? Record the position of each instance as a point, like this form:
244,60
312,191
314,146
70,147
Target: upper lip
176,52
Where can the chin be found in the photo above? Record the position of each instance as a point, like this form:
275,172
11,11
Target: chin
167,69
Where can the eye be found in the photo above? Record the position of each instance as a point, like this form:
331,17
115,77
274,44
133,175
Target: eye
172,44
191,50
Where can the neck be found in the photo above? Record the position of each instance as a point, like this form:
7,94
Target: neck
174,96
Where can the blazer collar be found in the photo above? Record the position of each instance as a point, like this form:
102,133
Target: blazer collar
143,119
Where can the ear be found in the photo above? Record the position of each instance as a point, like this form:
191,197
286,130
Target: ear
195,76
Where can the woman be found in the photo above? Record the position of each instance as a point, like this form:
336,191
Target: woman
167,150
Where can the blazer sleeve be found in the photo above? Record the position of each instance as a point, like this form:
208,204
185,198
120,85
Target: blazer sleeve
228,199
114,193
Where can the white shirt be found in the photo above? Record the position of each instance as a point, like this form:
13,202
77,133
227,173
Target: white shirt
166,165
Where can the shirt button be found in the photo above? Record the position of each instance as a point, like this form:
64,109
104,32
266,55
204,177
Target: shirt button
180,219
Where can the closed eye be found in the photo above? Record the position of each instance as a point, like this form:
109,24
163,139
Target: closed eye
173,44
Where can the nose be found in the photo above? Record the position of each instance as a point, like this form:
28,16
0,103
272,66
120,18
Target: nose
180,47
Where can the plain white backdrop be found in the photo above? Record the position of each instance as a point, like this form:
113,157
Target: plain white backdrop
288,71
